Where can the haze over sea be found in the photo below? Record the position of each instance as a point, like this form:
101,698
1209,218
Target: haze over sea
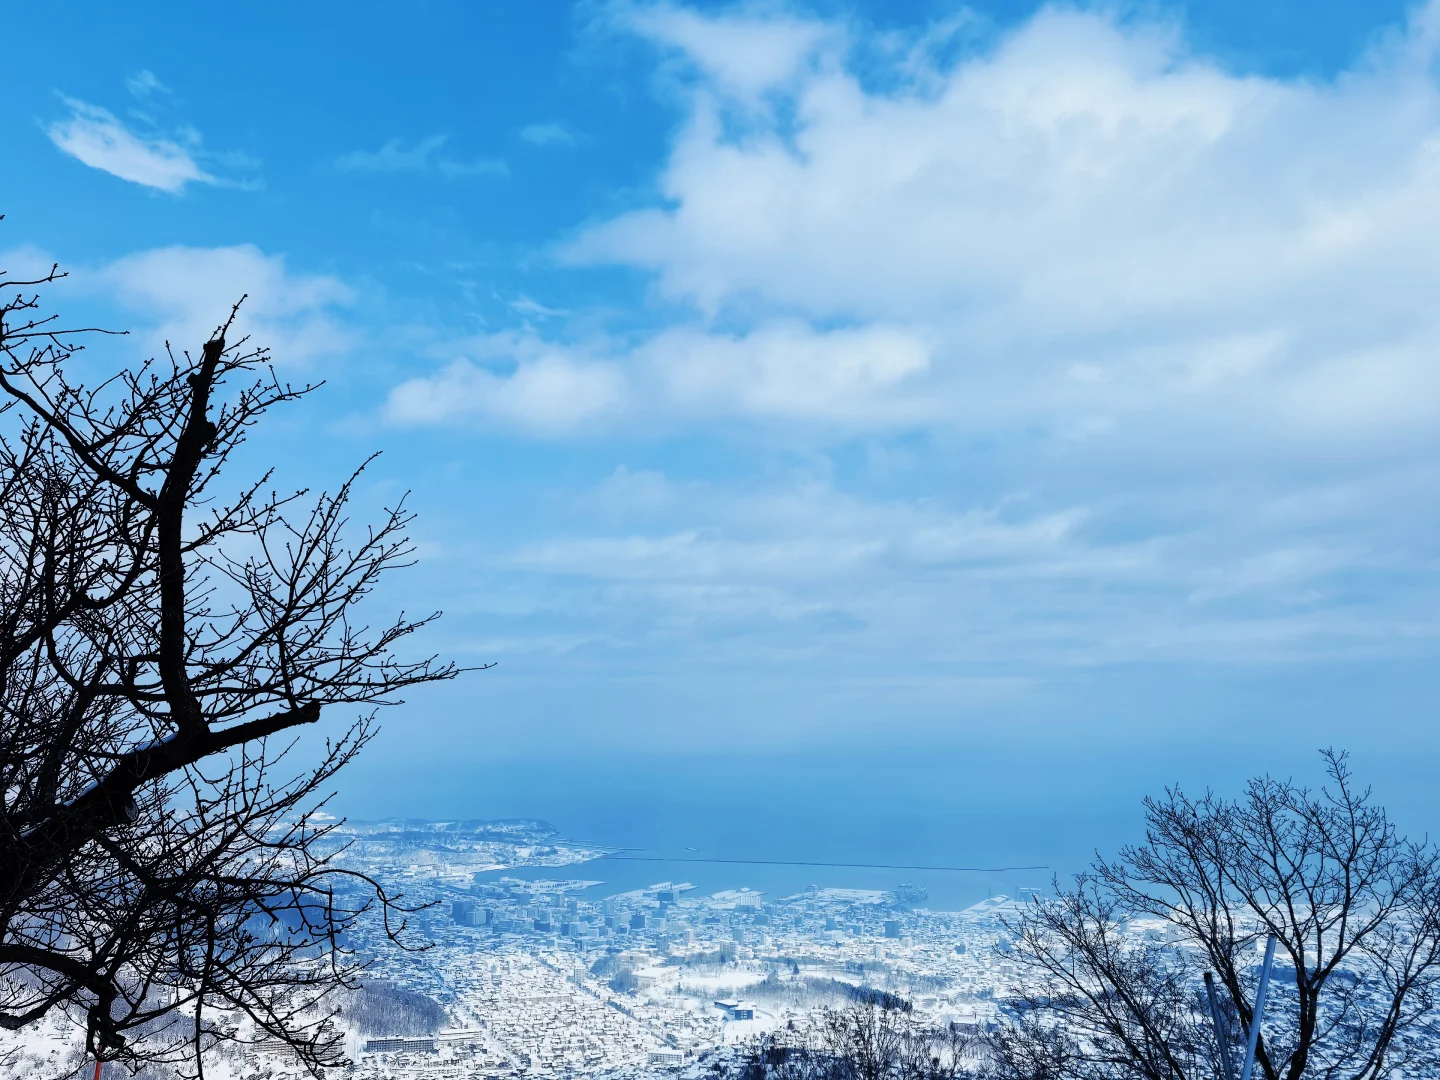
1008,797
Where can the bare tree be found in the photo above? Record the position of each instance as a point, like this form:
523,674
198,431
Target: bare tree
1095,1000
875,1036
1354,907
164,633
868,1037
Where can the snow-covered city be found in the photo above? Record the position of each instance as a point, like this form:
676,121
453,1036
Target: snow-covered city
558,975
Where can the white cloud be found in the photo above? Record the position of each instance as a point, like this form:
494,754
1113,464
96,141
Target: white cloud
1085,223
781,370
1297,568
548,134
144,83
95,137
746,55
1158,339
420,157
1083,229
786,369
26,262
807,567
545,391
186,292
524,305
814,533
392,157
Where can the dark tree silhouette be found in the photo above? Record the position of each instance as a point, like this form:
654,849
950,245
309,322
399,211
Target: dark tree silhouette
163,635
1354,907
875,1036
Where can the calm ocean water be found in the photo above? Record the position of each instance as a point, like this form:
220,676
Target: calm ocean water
793,809
999,794
948,891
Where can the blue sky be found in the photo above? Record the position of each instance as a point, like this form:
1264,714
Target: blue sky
1050,392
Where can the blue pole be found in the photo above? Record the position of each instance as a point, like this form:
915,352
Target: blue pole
1222,1030
1259,1009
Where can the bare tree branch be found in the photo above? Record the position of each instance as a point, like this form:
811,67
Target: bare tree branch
1354,908
160,641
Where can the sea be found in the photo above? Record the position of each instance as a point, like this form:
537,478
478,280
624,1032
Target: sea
779,825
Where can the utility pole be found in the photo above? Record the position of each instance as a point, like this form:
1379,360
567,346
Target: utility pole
1222,1029
1259,1011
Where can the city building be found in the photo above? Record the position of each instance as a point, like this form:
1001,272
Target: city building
427,1044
